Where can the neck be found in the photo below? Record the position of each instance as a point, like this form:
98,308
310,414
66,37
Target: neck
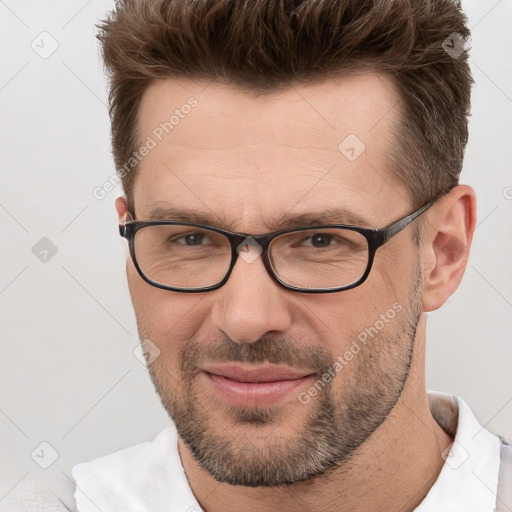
393,470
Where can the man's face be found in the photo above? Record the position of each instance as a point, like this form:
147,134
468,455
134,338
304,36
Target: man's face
249,160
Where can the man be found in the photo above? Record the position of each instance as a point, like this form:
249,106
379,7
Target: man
292,211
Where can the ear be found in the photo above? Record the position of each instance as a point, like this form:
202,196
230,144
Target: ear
448,233
122,208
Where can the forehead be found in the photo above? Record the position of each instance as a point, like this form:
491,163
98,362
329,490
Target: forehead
230,154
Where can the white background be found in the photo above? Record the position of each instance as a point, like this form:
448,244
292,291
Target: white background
68,373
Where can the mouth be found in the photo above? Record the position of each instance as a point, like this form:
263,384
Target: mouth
254,386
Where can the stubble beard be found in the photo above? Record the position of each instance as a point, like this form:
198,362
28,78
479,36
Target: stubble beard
245,445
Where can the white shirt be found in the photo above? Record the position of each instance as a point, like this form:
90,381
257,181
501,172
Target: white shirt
149,477
468,481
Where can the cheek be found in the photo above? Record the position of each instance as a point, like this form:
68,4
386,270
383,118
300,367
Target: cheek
338,319
140,294
395,266
334,320
167,318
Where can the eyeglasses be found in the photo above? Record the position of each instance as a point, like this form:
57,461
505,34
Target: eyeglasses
187,257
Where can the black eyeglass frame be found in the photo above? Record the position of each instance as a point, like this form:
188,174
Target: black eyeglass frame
375,237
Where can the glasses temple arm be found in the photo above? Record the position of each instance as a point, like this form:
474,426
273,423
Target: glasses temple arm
397,226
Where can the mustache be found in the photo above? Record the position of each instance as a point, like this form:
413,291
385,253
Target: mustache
275,350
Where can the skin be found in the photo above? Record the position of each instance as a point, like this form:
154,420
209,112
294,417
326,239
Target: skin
249,159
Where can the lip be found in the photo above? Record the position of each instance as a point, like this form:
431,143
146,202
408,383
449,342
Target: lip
256,387
268,373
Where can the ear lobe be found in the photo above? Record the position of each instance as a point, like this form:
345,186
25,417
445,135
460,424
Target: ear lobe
450,234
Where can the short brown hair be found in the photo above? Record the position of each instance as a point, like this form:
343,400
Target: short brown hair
261,46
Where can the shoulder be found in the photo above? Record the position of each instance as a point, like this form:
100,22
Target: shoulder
145,476
505,476
42,492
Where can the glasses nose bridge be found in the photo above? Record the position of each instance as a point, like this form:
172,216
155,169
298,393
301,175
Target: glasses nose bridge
237,239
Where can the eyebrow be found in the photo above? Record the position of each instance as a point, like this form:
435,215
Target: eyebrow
285,221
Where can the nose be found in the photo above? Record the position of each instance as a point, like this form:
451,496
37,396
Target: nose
251,303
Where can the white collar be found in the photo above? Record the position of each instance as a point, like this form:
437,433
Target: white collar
468,481
149,477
